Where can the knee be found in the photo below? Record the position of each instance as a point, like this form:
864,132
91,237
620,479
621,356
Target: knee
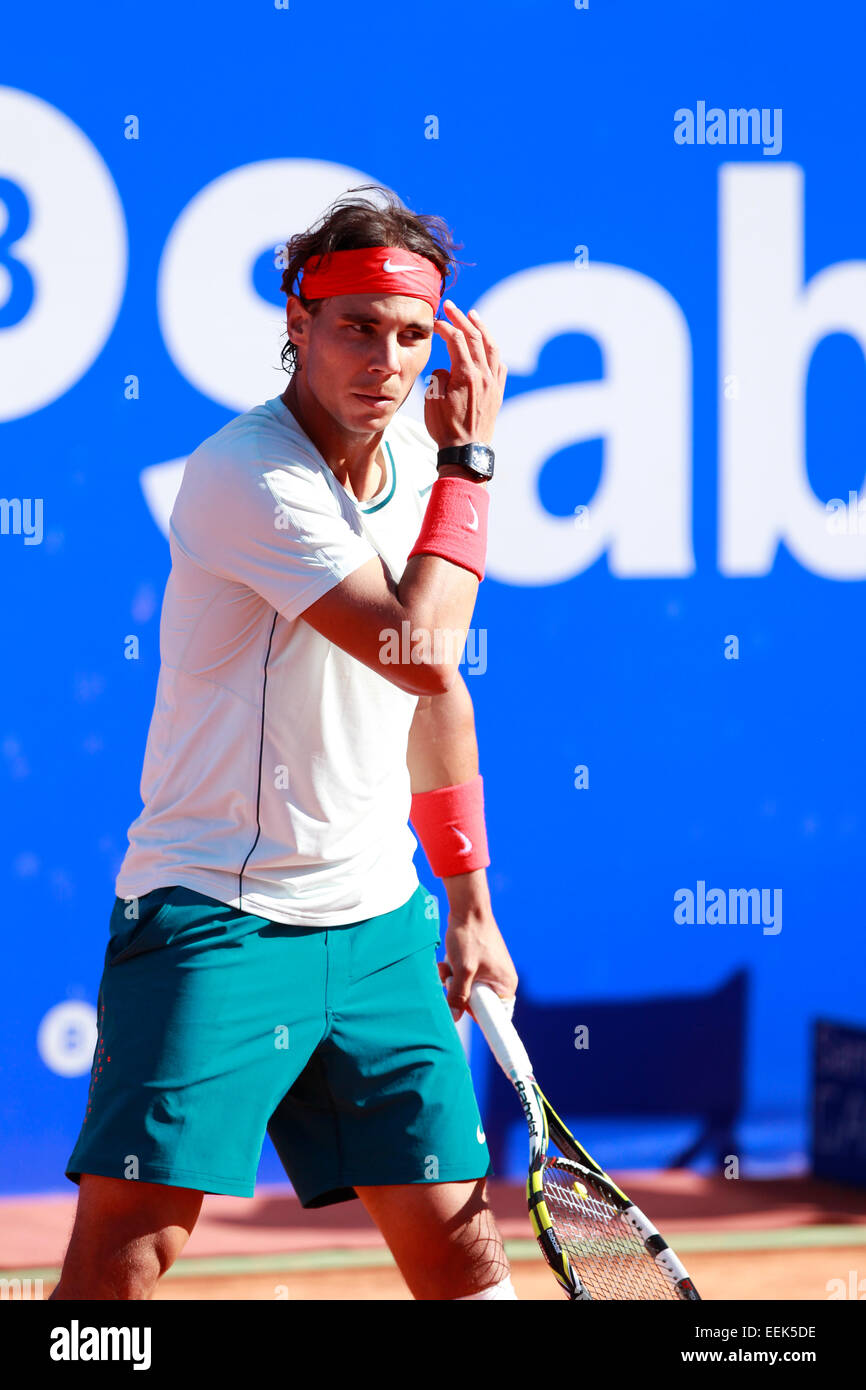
125,1237
130,1275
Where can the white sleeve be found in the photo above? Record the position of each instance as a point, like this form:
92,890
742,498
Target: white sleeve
277,530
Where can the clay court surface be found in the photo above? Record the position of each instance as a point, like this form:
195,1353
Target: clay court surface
792,1274
783,1240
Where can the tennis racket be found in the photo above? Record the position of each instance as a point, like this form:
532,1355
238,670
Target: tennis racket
597,1242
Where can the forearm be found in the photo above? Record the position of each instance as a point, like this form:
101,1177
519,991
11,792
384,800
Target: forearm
443,747
437,594
443,752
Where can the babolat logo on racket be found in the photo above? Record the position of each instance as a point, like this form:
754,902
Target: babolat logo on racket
527,1108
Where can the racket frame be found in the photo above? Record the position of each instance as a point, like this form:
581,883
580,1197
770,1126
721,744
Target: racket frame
544,1124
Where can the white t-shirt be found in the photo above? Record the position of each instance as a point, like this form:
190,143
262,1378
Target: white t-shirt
275,775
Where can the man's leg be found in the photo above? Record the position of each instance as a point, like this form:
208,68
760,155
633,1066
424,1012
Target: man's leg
442,1236
187,1070
126,1235
385,1109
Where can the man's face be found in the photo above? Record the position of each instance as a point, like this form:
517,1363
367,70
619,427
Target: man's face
361,354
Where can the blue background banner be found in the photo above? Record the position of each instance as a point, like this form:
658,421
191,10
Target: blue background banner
661,208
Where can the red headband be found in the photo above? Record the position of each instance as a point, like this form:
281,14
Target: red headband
372,270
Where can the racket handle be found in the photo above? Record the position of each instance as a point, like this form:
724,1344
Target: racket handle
492,1018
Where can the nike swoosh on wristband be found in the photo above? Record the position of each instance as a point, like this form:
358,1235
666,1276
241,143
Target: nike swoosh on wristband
467,843
393,268
473,525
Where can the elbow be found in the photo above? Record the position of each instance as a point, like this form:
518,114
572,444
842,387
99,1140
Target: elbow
442,677
434,660
433,678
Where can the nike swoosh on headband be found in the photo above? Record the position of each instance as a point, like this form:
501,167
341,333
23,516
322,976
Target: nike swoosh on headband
391,268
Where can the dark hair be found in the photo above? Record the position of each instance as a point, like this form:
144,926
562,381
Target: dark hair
348,226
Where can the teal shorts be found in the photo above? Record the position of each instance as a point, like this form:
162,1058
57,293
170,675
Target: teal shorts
217,1025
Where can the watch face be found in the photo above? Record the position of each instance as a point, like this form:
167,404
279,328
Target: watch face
477,458
482,461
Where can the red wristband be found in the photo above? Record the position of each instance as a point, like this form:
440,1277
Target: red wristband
450,826
455,524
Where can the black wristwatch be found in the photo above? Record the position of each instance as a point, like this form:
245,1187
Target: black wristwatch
477,458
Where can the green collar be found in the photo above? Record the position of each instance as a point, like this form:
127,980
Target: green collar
390,484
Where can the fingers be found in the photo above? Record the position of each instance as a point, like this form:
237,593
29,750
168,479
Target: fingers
458,994
463,331
457,987
469,343
493,360
458,347
468,337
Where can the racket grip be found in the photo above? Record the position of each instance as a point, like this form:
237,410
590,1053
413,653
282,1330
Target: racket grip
492,1018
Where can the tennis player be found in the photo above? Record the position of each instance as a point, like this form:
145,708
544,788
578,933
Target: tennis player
271,963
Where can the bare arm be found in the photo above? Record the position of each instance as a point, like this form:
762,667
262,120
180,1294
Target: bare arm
366,609
443,751
443,748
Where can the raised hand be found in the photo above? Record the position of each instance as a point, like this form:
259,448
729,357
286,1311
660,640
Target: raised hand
461,405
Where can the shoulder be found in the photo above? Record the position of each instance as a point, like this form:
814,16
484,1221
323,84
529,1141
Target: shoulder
261,453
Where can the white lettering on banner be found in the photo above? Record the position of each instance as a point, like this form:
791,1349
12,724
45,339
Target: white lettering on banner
222,335
67,269
642,408
642,510
770,325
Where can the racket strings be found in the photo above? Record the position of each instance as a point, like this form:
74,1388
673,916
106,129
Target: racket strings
607,1254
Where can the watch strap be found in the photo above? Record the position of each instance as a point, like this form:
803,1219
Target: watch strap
477,458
